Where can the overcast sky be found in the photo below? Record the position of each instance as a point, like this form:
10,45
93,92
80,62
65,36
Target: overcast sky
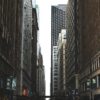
45,34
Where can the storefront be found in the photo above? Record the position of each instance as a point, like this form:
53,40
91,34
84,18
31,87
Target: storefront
6,94
7,80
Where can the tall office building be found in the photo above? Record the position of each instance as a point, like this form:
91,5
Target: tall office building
26,47
73,46
89,15
61,55
55,70
83,55
10,42
34,50
58,14
15,45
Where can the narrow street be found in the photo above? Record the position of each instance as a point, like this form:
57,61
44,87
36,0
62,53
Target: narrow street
43,62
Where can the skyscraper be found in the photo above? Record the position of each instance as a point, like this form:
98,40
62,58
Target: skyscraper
61,62
55,70
83,48
58,14
15,45
72,46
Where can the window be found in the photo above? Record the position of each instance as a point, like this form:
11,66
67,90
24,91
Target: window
94,83
55,74
14,84
8,83
88,83
95,65
84,86
99,61
99,79
1,83
92,67
25,7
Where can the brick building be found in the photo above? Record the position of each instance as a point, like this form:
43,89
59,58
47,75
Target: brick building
89,22
83,55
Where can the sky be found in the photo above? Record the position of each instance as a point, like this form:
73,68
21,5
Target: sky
45,35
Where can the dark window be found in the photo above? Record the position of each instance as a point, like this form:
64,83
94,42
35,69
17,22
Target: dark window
1,83
99,61
99,79
25,8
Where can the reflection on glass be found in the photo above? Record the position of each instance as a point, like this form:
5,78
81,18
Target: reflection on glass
14,83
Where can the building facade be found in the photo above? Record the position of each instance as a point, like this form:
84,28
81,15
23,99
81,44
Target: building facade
73,47
10,43
34,50
62,62
89,22
40,82
55,70
83,48
26,47
58,14
15,45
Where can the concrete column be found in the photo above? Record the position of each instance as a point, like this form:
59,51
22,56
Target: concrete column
77,81
97,78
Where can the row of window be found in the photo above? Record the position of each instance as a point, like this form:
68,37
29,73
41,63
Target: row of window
96,64
9,83
91,84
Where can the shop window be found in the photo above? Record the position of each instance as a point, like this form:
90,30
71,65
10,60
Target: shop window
88,83
8,83
94,83
14,84
11,83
